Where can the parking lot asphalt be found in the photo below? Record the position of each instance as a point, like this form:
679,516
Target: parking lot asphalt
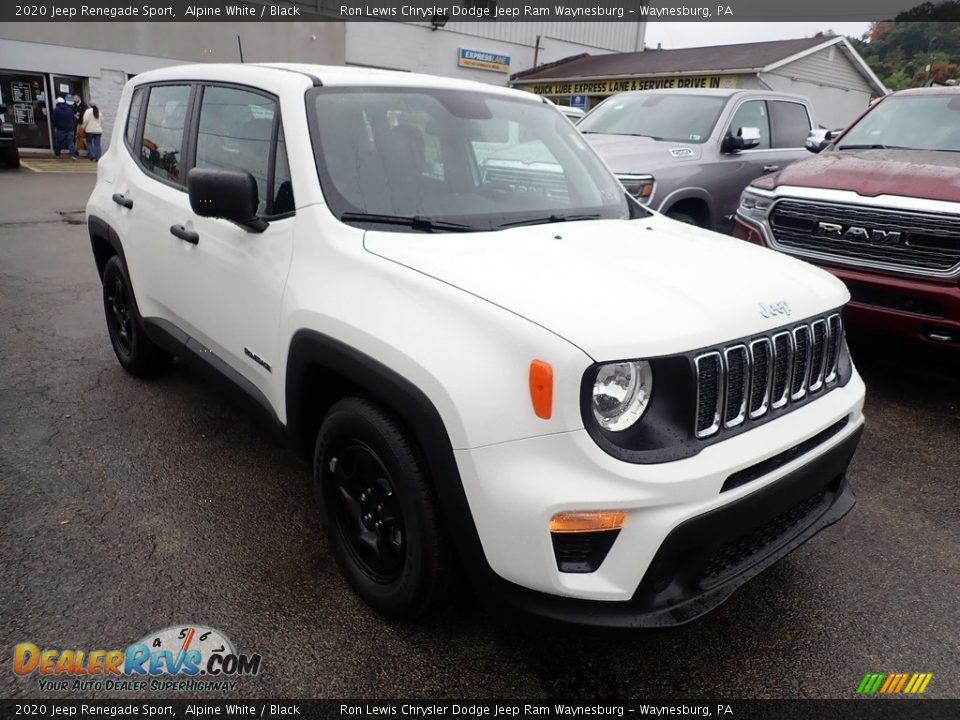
130,506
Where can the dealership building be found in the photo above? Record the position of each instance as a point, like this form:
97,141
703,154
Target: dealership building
826,69
40,61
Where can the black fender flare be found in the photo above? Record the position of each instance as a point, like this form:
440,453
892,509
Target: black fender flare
383,385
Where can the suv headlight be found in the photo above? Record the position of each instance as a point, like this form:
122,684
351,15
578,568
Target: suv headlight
755,205
6,128
639,186
621,394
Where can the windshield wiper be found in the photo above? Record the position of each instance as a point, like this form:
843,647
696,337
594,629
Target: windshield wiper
550,219
874,146
597,132
417,222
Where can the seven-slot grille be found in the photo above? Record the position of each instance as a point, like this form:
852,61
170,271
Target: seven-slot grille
747,380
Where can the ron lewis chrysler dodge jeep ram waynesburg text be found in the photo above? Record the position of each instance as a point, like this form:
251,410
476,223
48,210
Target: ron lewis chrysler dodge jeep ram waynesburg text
599,413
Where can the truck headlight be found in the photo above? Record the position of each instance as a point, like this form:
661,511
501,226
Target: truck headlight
621,394
754,205
639,186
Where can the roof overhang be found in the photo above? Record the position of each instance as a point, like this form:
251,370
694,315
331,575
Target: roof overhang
630,76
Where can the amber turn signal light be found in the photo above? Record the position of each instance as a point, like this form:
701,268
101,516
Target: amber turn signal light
541,388
582,522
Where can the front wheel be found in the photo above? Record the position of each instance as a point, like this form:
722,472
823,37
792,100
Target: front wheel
379,512
134,350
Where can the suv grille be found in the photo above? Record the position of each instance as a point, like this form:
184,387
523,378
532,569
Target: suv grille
921,242
746,380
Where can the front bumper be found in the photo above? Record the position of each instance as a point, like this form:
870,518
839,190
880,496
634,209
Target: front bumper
925,310
686,544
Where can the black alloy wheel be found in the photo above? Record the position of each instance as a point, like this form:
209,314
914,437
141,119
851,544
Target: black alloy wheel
366,510
379,511
134,350
120,320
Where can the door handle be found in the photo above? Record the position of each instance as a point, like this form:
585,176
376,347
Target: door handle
770,168
186,235
123,201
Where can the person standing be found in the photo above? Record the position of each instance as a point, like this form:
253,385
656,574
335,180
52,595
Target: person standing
63,129
79,108
93,129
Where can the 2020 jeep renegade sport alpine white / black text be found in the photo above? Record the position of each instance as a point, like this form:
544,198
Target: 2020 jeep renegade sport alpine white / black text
491,355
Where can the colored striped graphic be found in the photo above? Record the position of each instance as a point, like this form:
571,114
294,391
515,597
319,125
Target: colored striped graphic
894,683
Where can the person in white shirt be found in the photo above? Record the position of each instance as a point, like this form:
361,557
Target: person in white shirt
93,127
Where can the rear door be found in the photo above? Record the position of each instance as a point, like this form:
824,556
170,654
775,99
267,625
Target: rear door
149,190
790,125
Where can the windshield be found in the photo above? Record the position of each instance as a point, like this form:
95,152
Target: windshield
662,116
916,122
421,159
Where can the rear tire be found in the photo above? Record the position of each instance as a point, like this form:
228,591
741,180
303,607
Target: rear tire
379,512
136,352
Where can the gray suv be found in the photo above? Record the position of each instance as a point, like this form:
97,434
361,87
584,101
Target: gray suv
690,153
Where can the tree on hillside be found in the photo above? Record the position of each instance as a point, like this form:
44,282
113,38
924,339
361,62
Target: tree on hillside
920,45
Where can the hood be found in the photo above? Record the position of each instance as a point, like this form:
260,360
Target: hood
629,154
622,288
924,174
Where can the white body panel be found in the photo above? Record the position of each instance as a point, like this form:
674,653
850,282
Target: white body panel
461,317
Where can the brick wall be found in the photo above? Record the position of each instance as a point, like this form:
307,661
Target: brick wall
105,94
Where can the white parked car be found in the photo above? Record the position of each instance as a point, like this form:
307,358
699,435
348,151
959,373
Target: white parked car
490,354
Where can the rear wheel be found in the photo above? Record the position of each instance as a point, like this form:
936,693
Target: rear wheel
134,350
379,512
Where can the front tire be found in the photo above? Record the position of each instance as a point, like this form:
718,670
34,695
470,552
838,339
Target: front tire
136,352
379,512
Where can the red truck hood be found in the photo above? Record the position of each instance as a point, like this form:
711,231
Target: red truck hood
925,174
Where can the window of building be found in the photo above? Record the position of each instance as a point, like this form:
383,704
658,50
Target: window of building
791,124
753,113
161,150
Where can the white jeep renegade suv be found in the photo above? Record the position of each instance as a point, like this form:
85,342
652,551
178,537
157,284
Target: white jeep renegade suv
491,355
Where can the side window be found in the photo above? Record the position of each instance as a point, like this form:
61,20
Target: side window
753,113
791,124
161,150
282,186
133,117
236,128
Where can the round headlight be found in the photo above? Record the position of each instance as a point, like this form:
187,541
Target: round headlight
621,393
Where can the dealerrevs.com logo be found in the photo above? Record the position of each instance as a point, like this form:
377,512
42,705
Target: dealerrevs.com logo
185,658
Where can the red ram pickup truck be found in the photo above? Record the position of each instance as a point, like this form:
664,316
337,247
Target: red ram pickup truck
880,208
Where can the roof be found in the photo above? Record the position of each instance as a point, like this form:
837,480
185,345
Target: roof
932,90
746,56
738,58
299,76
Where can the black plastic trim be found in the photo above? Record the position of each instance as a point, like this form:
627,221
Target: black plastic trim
177,342
666,431
692,544
381,384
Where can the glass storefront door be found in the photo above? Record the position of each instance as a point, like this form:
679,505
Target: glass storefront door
28,107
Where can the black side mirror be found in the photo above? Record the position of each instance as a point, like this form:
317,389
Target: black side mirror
228,194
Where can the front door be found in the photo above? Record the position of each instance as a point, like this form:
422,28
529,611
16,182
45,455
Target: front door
234,277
